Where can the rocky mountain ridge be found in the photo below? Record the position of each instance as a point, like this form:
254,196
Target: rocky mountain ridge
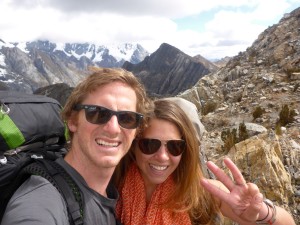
266,75
168,71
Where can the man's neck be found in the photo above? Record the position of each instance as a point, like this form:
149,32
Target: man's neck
95,177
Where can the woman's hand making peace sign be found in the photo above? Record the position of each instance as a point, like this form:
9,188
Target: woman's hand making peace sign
242,202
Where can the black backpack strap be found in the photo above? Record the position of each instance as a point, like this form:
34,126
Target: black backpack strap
63,182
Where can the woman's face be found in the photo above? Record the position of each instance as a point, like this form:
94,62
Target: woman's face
157,167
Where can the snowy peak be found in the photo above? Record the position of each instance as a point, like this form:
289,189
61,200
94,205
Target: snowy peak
133,53
26,66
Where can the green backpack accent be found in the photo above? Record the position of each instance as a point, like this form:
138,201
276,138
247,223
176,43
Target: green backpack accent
9,131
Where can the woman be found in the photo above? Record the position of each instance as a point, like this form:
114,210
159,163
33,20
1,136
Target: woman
160,180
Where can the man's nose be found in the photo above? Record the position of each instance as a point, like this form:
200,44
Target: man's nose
112,125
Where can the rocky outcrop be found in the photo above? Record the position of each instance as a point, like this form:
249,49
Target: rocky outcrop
60,92
277,48
261,160
265,76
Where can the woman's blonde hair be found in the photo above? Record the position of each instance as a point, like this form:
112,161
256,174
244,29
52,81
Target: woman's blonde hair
189,195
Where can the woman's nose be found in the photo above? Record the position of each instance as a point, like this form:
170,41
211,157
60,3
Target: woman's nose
163,152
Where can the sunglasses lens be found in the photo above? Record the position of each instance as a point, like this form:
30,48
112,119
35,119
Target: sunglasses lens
149,146
129,120
176,147
97,115
101,115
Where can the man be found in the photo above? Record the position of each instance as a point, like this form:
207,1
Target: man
103,115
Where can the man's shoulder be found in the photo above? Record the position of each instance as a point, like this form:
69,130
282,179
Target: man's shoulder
36,201
37,189
36,184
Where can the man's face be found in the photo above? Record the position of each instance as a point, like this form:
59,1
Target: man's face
103,145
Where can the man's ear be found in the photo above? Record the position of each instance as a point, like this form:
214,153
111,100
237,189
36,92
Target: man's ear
72,122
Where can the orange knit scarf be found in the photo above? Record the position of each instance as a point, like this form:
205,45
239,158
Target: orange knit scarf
132,208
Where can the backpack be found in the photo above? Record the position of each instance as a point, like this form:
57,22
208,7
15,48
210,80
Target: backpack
32,137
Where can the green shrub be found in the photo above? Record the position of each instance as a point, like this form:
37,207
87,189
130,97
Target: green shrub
209,107
258,111
243,133
286,116
278,129
230,137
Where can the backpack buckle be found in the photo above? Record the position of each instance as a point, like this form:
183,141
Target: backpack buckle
4,109
3,160
36,157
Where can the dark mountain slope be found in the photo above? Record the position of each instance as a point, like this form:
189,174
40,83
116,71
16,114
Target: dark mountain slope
168,71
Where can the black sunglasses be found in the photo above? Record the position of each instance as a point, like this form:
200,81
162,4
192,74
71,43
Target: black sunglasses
101,115
149,146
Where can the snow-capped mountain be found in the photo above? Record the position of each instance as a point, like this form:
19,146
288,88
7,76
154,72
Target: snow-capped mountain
98,54
26,66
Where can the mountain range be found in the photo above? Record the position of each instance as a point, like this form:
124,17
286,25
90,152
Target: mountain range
30,65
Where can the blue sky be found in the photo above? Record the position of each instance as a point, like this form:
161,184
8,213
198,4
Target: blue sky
213,29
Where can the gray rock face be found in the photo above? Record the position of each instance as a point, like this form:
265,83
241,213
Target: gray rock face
168,71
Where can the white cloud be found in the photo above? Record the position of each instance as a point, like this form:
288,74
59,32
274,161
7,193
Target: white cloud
235,24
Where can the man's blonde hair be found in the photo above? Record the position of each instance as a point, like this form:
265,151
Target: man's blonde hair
99,78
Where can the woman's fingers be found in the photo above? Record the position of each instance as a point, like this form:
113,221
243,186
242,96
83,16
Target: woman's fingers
216,188
224,178
221,175
236,173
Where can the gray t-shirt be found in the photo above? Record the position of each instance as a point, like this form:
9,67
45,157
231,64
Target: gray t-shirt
37,202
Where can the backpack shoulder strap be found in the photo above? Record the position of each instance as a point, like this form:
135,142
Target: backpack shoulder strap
63,182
